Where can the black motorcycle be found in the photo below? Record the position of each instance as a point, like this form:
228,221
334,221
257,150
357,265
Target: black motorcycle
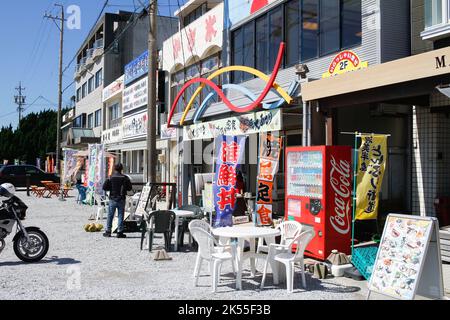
30,243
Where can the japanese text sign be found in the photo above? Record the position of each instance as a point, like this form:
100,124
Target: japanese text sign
229,152
269,156
370,171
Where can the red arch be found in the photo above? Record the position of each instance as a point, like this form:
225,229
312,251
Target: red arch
225,100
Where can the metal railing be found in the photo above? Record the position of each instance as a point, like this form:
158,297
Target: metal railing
98,44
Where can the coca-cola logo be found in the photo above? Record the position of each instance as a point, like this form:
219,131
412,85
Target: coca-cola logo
340,182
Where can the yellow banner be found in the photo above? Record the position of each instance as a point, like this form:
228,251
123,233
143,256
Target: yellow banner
371,166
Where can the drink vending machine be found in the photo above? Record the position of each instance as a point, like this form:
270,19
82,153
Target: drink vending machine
319,194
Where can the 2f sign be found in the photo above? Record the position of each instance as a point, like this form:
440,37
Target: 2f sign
74,17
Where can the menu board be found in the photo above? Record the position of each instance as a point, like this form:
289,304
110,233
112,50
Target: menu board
305,174
143,201
401,256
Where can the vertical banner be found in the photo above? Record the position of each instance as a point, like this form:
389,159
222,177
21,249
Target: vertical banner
270,146
70,165
229,151
96,171
372,156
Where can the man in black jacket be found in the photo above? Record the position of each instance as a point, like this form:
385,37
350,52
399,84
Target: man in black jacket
117,185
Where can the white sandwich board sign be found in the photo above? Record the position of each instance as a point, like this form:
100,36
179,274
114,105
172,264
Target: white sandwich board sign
408,262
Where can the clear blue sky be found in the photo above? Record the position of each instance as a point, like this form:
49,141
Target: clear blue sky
30,49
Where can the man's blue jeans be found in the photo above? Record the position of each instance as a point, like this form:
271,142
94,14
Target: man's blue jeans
120,206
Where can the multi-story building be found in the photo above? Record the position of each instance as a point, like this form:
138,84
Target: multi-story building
315,33
195,50
114,43
407,98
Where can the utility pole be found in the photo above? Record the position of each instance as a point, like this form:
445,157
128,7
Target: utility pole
20,100
61,19
151,91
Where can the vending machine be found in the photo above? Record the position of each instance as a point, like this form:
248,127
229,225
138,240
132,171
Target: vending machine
319,194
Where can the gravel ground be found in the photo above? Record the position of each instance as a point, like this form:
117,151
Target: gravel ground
82,265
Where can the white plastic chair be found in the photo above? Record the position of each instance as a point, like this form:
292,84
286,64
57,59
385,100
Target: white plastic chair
209,250
102,206
289,230
288,258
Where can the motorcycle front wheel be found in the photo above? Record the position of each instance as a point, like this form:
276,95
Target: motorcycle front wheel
33,250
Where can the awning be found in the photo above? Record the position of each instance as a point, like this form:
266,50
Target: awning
421,66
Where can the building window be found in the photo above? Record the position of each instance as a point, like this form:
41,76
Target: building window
78,94
84,90
114,115
329,26
310,28
292,27
203,68
194,15
433,12
98,118
261,60
351,23
90,123
91,84
98,78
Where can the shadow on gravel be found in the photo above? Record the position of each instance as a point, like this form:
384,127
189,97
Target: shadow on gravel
54,259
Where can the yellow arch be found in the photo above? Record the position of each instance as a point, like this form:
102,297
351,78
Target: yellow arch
217,73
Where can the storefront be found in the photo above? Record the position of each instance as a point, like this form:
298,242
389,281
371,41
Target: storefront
403,98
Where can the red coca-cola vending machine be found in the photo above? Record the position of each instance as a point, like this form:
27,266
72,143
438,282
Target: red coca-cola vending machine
319,194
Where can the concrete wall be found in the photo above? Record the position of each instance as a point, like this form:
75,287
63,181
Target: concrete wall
417,26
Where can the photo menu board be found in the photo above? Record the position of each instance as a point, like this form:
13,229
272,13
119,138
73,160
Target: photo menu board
401,256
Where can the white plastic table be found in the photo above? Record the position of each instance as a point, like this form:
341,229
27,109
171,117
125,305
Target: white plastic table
242,234
178,214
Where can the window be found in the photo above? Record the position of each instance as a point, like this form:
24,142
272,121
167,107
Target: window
433,12
31,170
195,14
329,26
292,26
90,121
78,94
98,118
310,29
91,84
275,34
114,114
262,62
98,78
351,23
83,90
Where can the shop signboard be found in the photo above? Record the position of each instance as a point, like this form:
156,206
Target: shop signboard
230,151
372,158
113,89
113,135
136,68
168,133
141,208
343,62
96,171
68,116
135,126
270,146
135,96
70,165
408,261
263,121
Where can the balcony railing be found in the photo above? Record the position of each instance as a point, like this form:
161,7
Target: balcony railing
98,44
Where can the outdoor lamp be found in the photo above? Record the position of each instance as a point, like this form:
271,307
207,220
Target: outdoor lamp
444,89
301,70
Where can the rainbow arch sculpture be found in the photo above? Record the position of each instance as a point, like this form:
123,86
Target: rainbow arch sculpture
256,102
